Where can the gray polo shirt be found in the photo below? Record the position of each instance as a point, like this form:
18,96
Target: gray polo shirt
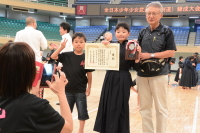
156,41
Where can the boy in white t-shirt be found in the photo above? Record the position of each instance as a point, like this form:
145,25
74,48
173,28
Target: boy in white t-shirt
64,32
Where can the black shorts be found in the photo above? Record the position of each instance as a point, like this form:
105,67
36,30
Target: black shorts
81,104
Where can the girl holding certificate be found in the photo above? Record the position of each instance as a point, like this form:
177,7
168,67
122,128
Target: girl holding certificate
113,111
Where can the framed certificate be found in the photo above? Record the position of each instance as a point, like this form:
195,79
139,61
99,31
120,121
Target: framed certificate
100,56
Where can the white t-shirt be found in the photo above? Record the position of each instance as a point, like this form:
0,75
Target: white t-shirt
34,38
68,46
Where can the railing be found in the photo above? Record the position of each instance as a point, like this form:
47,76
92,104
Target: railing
7,36
46,2
10,36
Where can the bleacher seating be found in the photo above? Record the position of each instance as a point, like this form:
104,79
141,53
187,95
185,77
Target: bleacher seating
181,35
134,32
63,3
192,0
92,1
9,27
92,33
50,31
197,41
145,1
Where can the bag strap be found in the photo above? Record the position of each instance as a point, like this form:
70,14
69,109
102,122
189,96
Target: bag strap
163,33
141,35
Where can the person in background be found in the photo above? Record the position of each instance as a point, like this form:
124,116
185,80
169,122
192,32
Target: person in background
53,48
198,72
101,38
64,32
188,78
196,54
34,38
42,57
23,112
180,69
108,37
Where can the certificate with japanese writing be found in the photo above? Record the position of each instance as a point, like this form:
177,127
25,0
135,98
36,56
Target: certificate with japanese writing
100,56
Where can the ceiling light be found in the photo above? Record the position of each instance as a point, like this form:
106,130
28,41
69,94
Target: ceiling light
78,17
31,12
194,17
63,16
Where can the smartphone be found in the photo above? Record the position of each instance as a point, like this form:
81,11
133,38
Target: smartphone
48,71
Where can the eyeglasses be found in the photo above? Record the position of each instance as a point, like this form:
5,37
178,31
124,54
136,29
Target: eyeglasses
153,13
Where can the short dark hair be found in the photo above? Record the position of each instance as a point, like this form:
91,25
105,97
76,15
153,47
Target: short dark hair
65,26
191,57
17,69
123,25
180,57
80,35
195,54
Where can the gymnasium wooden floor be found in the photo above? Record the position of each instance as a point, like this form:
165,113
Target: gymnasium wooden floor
184,107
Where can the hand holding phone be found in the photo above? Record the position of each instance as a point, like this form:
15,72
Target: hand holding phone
58,86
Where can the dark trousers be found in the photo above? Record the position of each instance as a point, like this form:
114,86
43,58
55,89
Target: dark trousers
81,104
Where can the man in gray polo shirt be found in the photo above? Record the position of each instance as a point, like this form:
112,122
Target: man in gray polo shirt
158,45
